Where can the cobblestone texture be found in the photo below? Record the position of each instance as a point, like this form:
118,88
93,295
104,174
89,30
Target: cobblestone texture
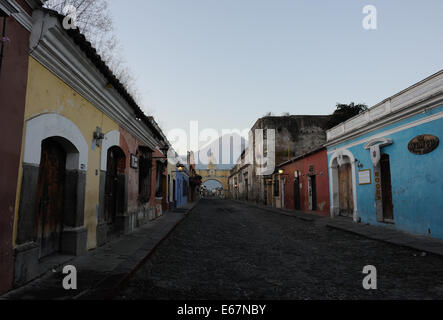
226,250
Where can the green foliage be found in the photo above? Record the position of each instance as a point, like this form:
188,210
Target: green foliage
345,112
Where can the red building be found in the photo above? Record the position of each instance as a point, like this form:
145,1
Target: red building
306,184
15,24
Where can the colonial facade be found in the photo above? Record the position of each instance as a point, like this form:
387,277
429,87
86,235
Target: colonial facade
385,164
93,166
15,31
304,183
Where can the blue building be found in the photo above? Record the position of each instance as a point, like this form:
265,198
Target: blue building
181,188
386,165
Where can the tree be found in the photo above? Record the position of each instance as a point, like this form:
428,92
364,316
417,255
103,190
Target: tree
94,21
345,112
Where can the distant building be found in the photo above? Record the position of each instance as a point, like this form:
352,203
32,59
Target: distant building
304,182
294,135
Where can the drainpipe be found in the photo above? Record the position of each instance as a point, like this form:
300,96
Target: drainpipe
3,42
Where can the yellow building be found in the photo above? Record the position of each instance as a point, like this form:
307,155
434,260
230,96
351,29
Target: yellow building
83,140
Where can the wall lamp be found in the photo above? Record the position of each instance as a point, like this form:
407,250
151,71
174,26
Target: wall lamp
359,164
281,172
98,137
180,168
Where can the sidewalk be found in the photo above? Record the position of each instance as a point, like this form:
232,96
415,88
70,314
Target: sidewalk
401,238
102,270
379,233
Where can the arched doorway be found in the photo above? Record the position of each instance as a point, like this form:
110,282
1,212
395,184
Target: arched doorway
115,188
52,195
212,188
343,185
346,202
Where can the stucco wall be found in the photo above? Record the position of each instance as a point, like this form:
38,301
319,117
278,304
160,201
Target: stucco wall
417,185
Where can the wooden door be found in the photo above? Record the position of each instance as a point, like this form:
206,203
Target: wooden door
345,190
164,191
312,193
174,200
114,186
296,193
386,188
50,197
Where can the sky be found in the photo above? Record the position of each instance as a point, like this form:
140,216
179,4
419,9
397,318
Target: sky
226,63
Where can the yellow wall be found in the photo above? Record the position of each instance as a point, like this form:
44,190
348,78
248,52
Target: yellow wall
48,94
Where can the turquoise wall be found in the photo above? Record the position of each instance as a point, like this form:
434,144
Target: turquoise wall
417,181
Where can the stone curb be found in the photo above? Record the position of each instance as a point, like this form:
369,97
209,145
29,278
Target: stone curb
431,246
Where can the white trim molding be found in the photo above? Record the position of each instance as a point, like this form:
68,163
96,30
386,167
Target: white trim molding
339,158
55,50
53,125
15,10
380,135
427,93
374,146
112,138
9,7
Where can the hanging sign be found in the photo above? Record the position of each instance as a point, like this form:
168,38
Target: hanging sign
423,144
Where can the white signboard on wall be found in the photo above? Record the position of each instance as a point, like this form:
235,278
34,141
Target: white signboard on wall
364,177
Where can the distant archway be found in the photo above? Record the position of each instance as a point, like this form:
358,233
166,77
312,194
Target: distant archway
212,187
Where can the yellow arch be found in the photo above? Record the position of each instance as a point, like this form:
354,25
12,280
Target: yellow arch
221,176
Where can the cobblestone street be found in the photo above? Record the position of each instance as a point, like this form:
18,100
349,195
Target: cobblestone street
228,250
